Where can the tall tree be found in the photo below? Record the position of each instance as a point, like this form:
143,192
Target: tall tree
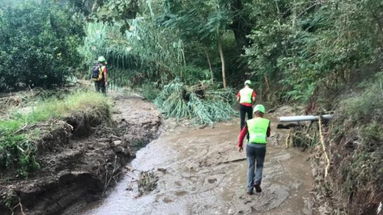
38,45
202,21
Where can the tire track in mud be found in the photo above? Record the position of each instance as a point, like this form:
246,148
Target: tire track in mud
197,177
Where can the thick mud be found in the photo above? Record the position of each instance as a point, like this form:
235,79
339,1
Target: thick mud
199,171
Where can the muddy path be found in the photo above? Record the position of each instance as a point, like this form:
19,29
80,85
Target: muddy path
199,171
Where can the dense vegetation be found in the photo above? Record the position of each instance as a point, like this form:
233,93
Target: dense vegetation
38,44
300,47
357,149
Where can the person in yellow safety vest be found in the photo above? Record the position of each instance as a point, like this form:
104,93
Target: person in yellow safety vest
258,129
246,98
101,81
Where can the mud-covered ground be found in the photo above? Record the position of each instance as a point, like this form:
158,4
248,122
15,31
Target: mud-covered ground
77,168
199,171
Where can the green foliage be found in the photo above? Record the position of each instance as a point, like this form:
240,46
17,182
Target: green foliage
37,45
160,49
94,42
149,91
107,40
192,74
359,122
130,60
301,46
367,107
16,150
196,102
118,11
17,144
157,44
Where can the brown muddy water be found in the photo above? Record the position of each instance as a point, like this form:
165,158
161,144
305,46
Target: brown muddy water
201,172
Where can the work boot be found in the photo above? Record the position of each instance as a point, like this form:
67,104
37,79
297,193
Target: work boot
250,192
258,188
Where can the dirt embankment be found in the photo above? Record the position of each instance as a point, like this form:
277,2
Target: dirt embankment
349,148
80,157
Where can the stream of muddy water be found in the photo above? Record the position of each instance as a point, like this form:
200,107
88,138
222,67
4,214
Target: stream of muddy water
201,172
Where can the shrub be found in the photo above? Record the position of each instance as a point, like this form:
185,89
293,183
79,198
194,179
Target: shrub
149,91
203,105
357,130
38,45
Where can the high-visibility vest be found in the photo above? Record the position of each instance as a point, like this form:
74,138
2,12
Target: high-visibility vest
245,95
257,128
102,75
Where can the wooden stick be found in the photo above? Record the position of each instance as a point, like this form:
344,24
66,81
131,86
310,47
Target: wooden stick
20,206
231,161
324,148
287,141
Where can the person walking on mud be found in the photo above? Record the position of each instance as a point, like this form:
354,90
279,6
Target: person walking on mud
258,129
246,98
99,75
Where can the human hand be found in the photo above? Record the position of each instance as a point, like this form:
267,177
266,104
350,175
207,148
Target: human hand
240,148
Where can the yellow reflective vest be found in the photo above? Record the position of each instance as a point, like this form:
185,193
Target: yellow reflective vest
245,95
257,128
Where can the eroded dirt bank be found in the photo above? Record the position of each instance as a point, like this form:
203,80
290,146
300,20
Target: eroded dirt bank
199,171
76,167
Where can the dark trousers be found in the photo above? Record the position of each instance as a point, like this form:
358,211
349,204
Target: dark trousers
255,154
242,113
100,87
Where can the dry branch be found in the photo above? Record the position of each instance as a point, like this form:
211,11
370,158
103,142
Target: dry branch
324,148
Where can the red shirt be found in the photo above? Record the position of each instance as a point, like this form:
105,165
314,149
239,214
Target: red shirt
247,104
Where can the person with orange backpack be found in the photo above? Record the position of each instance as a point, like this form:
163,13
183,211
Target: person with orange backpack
246,98
99,75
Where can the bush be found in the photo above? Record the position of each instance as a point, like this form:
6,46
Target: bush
149,91
37,45
203,105
357,130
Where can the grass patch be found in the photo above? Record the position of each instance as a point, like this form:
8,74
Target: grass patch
17,148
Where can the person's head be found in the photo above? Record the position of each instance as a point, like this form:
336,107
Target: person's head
247,83
259,110
101,59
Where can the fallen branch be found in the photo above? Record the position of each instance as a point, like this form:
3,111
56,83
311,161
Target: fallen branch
231,161
21,208
324,148
112,175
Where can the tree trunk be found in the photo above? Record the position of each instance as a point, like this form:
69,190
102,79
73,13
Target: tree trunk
240,25
210,69
222,61
267,90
